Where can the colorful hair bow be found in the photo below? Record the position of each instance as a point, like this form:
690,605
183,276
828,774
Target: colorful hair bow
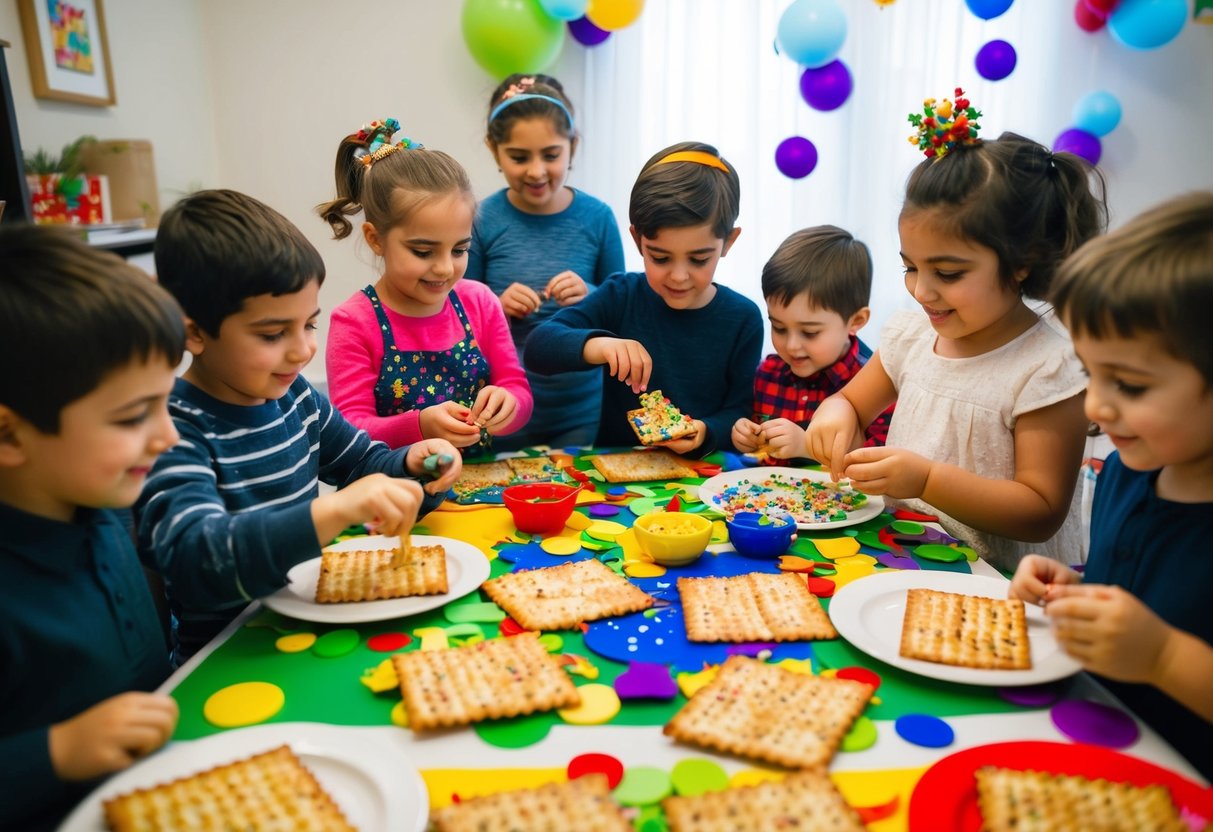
941,127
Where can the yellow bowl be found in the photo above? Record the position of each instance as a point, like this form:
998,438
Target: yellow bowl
672,538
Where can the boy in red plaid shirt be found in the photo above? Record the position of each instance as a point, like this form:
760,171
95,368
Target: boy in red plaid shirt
816,286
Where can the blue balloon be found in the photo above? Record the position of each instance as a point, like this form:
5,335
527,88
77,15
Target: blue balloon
796,157
565,9
1148,24
1080,143
996,60
988,9
811,32
1097,112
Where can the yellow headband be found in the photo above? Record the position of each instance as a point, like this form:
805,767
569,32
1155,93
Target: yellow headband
699,157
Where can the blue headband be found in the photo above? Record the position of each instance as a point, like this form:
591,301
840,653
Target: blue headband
526,96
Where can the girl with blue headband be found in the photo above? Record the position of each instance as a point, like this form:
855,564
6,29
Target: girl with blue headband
542,246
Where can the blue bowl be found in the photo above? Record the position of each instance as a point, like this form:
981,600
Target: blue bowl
753,538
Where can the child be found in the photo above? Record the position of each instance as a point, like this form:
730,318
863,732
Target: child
1137,302
407,358
816,286
671,328
80,640
989,431
231,508
541,246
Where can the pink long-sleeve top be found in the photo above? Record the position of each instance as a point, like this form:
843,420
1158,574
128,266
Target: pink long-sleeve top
355,353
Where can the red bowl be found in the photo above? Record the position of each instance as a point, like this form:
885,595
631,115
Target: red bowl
540,507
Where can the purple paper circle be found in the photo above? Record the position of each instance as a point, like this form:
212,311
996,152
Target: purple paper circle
925,730
1080,143
996,60
603,510
1031,696
586,33
827,87
796,157
1094,723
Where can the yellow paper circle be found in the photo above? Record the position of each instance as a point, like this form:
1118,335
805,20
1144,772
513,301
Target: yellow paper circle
399,715
245,703
605,529
560,545
599,704
295,642
639,569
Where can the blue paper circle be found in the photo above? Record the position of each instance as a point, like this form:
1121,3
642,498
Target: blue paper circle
925,730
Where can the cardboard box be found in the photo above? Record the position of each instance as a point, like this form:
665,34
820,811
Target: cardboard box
85,203
131,169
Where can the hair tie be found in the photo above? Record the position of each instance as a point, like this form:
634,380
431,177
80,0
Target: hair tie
944,126
699,157
378,135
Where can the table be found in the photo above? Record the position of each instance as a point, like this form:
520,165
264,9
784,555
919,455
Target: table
324,685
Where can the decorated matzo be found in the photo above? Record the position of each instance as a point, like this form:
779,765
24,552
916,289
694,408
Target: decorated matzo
487,680
480,475
754,607
533,468
656,420
1032,801
561,597
373,575
965,630
641,466
767,713
272,790
583,804
805,800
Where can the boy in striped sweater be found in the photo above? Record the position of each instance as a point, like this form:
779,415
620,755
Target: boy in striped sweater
229,510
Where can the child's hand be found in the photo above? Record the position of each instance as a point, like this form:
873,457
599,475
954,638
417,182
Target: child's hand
435,458
1109,630
111,735
893,471
833,432
746,436
686,444
449,421
384,504
784,438
626,360
494,409
520,300
566,288
1033,576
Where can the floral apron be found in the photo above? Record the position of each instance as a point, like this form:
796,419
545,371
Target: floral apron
416,380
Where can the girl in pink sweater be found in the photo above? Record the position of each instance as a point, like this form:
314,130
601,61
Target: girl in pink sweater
408,358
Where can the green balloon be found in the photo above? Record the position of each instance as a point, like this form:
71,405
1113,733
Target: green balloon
508,36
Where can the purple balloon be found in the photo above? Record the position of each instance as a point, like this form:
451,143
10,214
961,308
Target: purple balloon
826,87
1080,143
996,60
586,33
796,157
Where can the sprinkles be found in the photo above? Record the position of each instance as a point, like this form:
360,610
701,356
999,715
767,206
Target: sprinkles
808,501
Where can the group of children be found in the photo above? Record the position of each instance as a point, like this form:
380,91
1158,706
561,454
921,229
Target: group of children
549,342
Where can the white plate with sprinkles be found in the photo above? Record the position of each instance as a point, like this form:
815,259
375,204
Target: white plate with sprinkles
811,497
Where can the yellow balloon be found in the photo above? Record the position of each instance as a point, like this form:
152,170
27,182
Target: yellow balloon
613,14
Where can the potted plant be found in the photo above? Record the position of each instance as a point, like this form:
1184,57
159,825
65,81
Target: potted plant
59,189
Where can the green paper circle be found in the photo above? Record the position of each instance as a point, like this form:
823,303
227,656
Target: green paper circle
336,643
939,552
908,527
694,776
515,732
643,786
862,735
646,505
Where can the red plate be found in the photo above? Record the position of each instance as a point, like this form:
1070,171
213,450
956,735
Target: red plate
946,796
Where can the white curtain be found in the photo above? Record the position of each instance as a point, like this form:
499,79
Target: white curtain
707,70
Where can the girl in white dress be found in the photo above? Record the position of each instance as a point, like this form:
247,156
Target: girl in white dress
989,428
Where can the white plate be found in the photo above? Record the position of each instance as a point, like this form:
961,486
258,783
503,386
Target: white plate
712,489
369,777
466,569
868,613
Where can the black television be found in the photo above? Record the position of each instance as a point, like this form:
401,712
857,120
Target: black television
13,188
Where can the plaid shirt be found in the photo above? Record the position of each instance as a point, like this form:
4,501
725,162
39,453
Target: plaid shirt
780,394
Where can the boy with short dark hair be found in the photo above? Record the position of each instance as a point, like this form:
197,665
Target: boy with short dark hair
235,505
1136,302
816,285
89,345
671,328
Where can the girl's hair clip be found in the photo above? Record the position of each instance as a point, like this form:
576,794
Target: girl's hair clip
378,136
941,127
522,85
388,149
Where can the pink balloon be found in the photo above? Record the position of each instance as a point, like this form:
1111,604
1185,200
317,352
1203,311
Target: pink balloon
1088,20
1102,7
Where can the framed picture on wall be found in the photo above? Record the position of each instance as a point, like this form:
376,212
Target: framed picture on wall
68,52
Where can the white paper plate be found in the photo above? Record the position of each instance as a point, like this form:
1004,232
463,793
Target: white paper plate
369,777
712,490
466,569
868,613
